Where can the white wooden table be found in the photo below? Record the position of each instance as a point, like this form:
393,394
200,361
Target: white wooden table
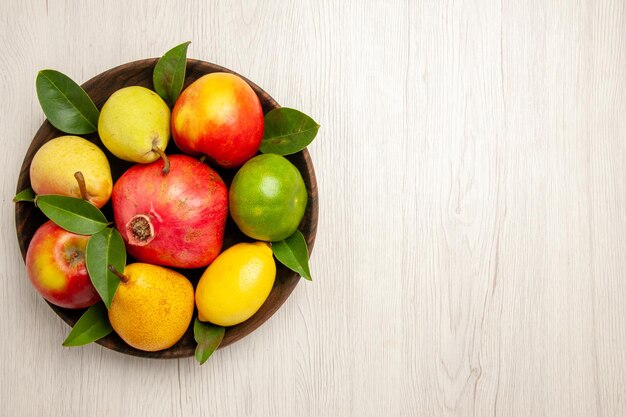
471,250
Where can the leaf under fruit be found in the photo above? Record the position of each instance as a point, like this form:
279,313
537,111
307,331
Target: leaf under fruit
66,105
25,195
208,336
72,214
287,131
168,76
294,254
92,325
103,249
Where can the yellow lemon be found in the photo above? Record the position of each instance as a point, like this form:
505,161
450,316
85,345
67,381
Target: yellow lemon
236,284
152,307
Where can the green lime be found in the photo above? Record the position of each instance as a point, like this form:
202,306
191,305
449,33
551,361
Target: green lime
267,198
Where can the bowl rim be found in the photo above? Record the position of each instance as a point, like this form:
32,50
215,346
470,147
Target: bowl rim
292,279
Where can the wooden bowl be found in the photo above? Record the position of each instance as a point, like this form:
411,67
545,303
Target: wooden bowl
28,218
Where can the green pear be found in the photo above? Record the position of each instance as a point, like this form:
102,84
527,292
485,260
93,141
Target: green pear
134,125
74,167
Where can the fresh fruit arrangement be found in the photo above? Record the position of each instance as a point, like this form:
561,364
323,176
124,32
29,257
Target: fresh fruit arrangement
147,249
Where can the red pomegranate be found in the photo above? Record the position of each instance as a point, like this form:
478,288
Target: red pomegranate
175,219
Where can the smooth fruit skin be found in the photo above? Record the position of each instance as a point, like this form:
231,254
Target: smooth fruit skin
236,284
153,309
219,115
55,163
55,262
187,209
268,198
132,121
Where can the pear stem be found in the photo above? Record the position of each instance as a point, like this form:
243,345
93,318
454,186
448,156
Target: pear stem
166,160
118,274
81,185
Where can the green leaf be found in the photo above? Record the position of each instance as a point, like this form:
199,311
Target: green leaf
208,336
103,249
92,325
66,105
169,73
287,131
25,195
72,214
294,254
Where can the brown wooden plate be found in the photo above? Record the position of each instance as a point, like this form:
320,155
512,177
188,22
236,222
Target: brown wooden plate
28,218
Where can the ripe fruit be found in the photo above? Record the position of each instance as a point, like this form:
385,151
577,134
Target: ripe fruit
236,284
134,124
268,198
219,115
152,307
176,219
55,262
53,169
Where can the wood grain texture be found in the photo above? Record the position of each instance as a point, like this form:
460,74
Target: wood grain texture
471,168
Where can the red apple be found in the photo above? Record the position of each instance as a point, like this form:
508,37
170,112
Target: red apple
175,219
219,115
55,262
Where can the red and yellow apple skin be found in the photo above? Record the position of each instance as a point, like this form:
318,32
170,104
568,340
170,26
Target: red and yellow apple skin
219,115
55,262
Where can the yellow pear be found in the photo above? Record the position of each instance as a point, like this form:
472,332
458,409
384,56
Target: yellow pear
134,125
74,167
152,307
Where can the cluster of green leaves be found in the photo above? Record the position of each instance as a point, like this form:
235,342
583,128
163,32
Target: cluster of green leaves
288,131
70,109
